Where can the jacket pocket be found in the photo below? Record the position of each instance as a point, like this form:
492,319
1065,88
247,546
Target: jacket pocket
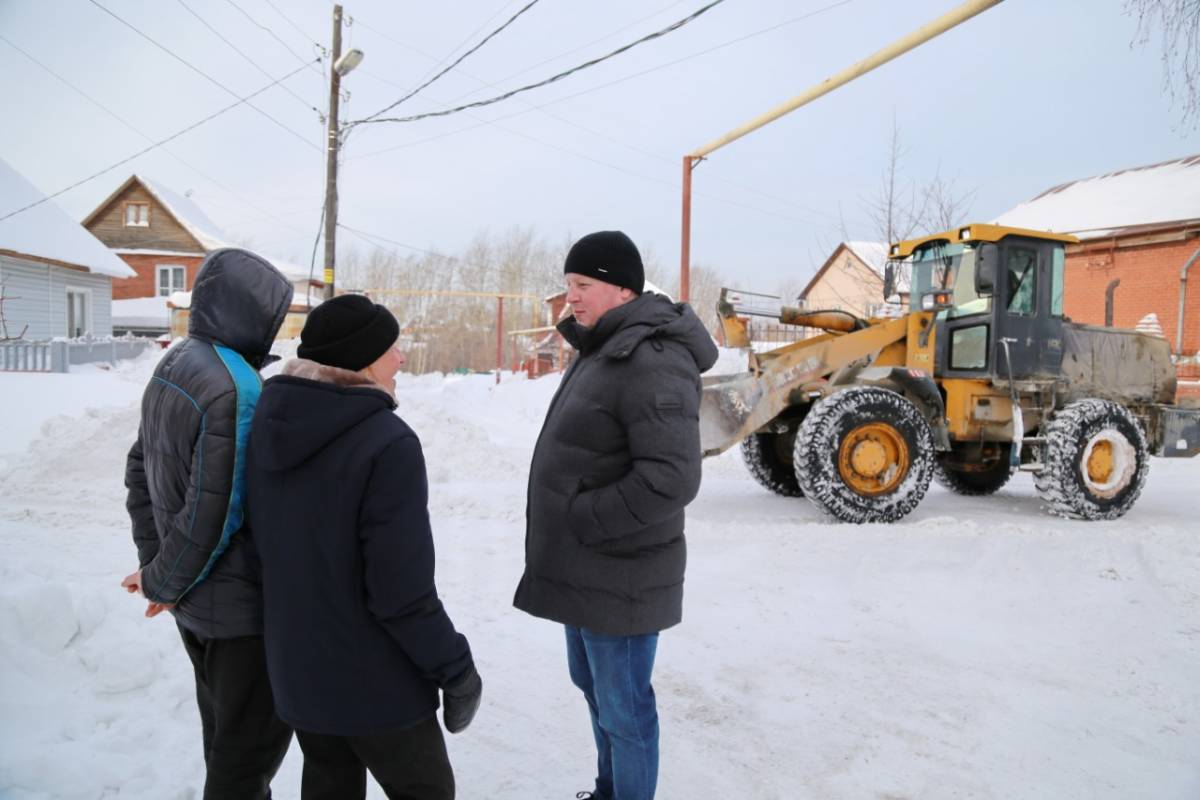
577,522
668,401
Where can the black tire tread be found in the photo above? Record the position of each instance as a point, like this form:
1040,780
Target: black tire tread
1065,435
766,469
816,457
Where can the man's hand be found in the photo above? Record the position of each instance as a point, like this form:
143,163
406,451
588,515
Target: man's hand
154,609
460,700
133,583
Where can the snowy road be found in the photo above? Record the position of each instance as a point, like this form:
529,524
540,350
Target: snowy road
978,649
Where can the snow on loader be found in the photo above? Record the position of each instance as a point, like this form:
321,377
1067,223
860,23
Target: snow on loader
983,375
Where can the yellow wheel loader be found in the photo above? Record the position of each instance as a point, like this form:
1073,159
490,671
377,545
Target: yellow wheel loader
982,375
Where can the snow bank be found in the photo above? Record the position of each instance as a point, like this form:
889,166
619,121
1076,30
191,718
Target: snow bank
978,649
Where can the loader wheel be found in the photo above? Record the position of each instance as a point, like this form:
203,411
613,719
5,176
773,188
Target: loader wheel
768,456
1095,461
974,479
864,455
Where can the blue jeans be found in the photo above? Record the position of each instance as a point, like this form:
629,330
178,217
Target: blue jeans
613,672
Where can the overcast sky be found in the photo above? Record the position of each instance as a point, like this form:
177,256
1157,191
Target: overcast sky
1027,95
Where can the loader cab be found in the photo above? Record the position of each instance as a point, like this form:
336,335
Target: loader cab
998,297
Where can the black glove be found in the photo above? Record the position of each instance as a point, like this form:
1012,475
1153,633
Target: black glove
460,700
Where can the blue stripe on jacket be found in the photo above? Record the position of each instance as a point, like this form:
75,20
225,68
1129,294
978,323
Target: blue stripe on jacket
248,385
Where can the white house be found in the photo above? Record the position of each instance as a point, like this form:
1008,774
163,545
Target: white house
55,277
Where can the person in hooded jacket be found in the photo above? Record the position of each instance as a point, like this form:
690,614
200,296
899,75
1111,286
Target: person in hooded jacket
616,462
358,642
184,476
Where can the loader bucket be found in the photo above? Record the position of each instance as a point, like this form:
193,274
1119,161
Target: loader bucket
725,404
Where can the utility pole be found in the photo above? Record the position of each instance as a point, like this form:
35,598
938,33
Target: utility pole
331,155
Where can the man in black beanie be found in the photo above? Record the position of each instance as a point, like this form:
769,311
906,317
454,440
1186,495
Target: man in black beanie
358,642
617,461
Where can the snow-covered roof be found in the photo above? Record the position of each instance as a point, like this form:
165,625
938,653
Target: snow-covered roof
187,214
300,299
141,312
46,231
198,225
873,254
1098,206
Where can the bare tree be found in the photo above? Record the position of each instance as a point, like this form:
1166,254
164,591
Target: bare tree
1178,23
894,210
945,206
902,208
4,337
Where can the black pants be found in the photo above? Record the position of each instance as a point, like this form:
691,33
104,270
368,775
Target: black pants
410,764
244,742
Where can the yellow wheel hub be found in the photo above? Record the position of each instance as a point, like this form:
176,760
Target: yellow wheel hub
873,459
1100,462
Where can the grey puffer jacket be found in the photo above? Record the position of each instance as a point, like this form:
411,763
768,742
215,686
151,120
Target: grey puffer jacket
617,461
185,471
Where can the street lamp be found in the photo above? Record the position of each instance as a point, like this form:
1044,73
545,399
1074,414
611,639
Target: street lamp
342,65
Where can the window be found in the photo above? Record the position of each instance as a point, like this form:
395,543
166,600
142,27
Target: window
137,215
1056,282
170,279
968,348
1021,265
79,306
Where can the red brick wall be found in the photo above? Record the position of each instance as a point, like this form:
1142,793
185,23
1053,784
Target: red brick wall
1149,283
144,265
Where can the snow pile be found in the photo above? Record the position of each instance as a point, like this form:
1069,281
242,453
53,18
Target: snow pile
977,649
1150,326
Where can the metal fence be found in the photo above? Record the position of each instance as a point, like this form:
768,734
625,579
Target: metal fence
61,354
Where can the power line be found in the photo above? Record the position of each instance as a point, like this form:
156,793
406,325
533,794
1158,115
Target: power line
155,145
565,98
208,77
132,127
489,101
439,61
572,51
565,121
288,20
237,50
271,31
456,61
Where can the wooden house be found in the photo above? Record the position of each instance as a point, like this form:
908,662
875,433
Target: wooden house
164,237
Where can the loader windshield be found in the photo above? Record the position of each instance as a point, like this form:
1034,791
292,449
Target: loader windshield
946,267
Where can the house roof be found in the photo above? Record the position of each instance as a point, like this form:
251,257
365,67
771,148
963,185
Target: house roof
198,225
1105,205
871,254
48,233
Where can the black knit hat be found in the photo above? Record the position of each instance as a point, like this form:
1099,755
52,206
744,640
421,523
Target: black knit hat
348,331
609,256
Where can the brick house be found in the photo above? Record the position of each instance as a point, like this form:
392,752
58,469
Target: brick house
164,237
1138,226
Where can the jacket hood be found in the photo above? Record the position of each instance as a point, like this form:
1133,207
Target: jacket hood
239,300
308,406
649,316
